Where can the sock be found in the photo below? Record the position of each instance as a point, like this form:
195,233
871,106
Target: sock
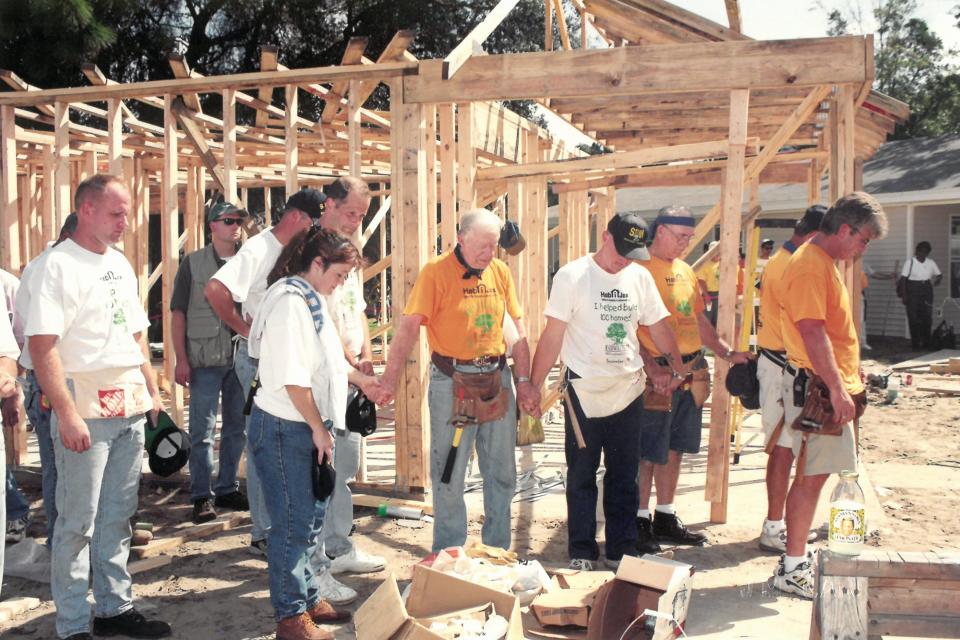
667,508
791,562
772,527
643,513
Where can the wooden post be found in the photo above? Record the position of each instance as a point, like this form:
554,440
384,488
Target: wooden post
201,230
466,159
292,161
9,208
430,148
143,239
718,457
408,248
448,177
267,206
115,138
35,246
169,239
49,197
548,26
63,204
192,213
353,128
230,146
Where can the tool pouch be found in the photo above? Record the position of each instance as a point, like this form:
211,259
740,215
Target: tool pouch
817,413
655,401
480,395
700,386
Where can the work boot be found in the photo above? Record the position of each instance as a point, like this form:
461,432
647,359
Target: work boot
324,613
667,527
646,540
131,623
301,627
234,500
203,511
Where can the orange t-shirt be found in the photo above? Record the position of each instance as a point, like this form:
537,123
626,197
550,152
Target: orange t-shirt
812,289
464,318
769,335
680,292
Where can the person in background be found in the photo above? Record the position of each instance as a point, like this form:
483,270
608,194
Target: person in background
301,397
203,344
8,387
920,274
18,508
709,278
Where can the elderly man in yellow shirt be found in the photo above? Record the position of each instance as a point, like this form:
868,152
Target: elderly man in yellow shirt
821,341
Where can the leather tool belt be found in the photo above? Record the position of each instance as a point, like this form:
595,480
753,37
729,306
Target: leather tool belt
479,395
817,414
697,382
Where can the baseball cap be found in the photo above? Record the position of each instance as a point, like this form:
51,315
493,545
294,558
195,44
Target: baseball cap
766,241
630,235
310,201
223,208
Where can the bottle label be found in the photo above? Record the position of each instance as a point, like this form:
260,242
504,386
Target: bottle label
847,525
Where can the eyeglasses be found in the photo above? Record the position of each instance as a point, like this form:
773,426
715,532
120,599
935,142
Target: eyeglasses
863,240
681,237
230,221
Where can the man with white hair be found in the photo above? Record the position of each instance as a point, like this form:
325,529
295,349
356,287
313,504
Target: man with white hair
461,298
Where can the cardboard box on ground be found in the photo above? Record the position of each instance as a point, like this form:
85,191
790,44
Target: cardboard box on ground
434,596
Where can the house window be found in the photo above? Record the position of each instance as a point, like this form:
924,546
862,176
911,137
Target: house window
955,256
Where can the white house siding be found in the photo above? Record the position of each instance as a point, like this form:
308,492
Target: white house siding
932,223
885,314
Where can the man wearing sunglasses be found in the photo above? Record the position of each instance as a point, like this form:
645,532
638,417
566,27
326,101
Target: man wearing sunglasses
204,347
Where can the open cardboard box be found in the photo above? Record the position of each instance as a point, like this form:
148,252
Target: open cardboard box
649,582
432,594
570,597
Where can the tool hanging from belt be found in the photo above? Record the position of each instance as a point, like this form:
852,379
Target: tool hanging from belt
568,403
459,422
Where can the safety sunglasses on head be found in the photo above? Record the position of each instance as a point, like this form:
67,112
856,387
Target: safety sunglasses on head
230,221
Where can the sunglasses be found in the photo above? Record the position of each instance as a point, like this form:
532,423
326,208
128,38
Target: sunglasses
230,221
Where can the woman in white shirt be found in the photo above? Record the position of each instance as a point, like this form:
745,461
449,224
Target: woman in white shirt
302,395
920,275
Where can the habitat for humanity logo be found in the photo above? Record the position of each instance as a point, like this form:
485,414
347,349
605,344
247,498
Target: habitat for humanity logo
613,294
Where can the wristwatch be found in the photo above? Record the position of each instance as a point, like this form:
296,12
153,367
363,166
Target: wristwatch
521,379
676,375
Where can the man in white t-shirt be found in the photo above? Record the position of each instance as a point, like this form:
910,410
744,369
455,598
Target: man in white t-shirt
86,333
920,274
348,199
243,280
596,305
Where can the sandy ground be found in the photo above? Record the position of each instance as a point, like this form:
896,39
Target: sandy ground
215,588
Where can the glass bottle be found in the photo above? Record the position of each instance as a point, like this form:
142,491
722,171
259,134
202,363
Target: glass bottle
847,522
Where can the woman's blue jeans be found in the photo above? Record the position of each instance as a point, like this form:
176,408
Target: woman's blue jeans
283,453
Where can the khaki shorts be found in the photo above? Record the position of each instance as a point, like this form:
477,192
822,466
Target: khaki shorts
825,454
771,401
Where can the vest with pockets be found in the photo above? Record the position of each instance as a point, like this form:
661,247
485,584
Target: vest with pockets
209,340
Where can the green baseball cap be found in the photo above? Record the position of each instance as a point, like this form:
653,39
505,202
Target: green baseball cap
223,208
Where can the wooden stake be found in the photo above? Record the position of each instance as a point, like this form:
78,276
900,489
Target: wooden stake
9,208
292,160
170,243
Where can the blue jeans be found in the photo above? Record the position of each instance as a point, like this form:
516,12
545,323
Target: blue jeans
496,445
17,505
246,368
617,437
40,419
206,385
96,497
284,456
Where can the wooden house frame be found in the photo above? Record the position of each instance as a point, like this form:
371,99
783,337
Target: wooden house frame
687,100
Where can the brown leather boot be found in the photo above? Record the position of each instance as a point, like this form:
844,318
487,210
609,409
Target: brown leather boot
301,627
324,613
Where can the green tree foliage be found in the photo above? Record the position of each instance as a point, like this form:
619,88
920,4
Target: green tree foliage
911,66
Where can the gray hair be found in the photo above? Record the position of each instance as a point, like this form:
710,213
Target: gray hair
857,210
480,219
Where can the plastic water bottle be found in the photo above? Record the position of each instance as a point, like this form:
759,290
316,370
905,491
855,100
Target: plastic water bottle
847,519
396,511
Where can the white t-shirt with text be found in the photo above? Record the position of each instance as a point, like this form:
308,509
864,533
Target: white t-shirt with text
245,275
913,269
602,311
347,306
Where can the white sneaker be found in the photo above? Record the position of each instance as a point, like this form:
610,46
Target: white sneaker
357,562
776,542
333,591
581,564
799,582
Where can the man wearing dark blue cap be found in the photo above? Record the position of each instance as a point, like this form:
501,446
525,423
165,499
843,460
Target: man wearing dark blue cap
204,348
596,305
672,415
243,280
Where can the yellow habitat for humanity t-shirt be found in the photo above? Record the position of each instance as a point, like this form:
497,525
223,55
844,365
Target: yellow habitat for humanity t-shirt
812,289
680,292
710,274
464,318
769,335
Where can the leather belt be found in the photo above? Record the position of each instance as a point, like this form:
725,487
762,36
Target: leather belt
685,358
448,365
778,358
792,370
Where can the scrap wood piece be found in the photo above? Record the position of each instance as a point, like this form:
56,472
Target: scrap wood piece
943,388
366,500
937,357
148,564
15,606
159,545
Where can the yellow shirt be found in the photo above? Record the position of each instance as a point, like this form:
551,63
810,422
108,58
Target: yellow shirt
769,336
710,274
812,289
464,318
680,292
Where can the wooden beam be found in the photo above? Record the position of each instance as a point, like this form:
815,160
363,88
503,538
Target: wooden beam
475,39
63,203
448,177
195,136
203,84
353,129
268,62
645,70
292,161
352,57
718,455
396,49
547,25
230,145
686,19
466,159
608,161
733,15
181,69
375,222
9,210
562,23
170,240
